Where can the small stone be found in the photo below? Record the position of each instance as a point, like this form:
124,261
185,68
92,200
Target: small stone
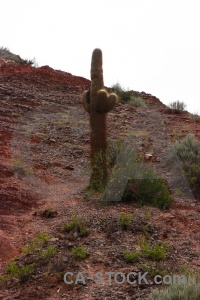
54,240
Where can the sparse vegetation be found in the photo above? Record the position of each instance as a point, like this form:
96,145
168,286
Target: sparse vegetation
195,117
131,257
99,235
36,251
149,190
19,167
2,48
79,252
155,252
188,152
127,96
176,135
155,268
185,291
14,271
48,252
36,245
77,225
145,229
137,101
48,213
177,107
42,134
147,215
125,220
113,150
7,55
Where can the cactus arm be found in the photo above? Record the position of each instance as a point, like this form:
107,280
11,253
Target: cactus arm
101,101
86,101
112,101
105,102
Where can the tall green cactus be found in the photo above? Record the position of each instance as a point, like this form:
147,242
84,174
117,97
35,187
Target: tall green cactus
98,103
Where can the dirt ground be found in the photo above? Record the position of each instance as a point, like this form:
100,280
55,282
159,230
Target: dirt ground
44,164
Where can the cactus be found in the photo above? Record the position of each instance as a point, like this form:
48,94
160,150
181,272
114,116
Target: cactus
98,103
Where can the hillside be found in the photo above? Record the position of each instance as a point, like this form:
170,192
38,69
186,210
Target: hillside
45,150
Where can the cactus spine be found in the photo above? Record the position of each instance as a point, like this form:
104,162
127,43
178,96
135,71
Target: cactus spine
98,103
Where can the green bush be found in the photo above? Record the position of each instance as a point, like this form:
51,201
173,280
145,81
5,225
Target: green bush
125,220
77,225
22,273
137,101
131,257
79,252
148,190
188,152
155,252
177,107
155,268
127,96
187,291
113,150
37,254
35,245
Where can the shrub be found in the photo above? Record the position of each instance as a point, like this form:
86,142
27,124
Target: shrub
125,220
155,268
195,118
187,291
131,257
38,254
128,96
77,225
113,150
19,272
6,54
155,252
35,245
188,152
177,107
148,190
79,252
137,101
48,213
48,252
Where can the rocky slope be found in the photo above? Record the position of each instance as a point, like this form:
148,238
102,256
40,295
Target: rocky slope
44,149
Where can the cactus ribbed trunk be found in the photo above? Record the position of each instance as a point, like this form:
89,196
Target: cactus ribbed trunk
97,103
98,150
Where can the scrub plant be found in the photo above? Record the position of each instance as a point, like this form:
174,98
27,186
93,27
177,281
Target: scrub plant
188,153
155,252
189,290
79,252
21,273
78,225
177,107
148,190
125,220
36,252
131,257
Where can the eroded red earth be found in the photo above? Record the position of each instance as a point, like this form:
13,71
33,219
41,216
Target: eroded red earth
44,153
17,96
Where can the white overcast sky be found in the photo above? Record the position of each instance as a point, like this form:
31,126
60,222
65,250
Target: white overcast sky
148,45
